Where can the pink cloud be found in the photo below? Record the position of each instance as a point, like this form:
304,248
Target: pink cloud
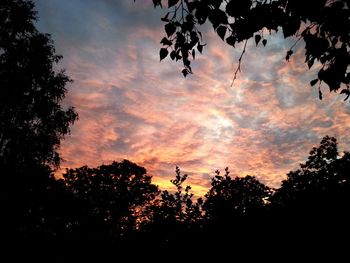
132,106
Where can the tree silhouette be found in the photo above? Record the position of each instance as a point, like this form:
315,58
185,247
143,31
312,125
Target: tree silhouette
32,120
104,212
175,216
179,206
235,210
324,173
233,198
32,123
113,194
323,25
312,205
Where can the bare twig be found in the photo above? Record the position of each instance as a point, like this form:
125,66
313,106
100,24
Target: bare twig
239,62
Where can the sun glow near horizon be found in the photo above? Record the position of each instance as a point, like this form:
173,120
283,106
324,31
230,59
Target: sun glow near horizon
132,106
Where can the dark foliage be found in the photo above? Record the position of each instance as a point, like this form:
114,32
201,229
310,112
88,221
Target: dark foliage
314,200
173,216
107,213
32,123
113,194
323,25
32,120
239,197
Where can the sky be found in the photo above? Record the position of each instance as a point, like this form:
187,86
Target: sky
132,106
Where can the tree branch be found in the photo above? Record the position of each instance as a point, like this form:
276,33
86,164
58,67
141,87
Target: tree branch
239,62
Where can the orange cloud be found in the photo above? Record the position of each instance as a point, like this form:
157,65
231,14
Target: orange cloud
132,106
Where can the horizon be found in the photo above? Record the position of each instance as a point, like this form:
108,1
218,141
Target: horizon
131,106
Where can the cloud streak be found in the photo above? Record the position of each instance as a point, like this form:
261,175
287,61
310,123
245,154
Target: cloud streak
133,107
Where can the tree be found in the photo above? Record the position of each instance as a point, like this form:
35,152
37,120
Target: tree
229,198
323,25
32,121
324,175
175,218
113,194
312,205
235,213
179,206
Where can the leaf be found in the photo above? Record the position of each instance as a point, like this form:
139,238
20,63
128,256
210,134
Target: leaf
170,29
217,17
163,52
157,2
200,34
291,26
166,42
289,53
313,82
221,30
215,3
165,18
191,6
323,59
172,3
310,62
231,40
257,39
264,42
185,72
178,56
200,48
238,8
202,12
347,92
173,54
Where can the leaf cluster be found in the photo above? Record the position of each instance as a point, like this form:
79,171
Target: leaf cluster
323,25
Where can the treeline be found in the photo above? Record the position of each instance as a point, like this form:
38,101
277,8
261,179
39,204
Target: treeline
114,208
115,212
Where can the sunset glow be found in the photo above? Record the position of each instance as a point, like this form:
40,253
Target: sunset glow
131,106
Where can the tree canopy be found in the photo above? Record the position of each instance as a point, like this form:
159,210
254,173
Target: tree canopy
114,194
324,176
115,209
235,197
32,119
323,25
32,124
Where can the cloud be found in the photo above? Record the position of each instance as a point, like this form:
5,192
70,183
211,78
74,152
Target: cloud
132,106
